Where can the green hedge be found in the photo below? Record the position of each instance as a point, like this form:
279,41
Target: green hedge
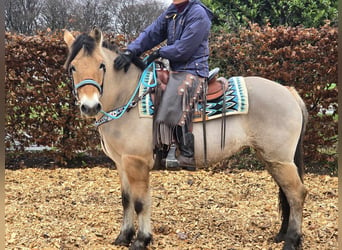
41,109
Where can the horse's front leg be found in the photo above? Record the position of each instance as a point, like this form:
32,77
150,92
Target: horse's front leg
135,197
127,231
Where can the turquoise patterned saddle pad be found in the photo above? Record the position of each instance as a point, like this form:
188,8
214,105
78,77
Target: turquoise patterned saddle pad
236,101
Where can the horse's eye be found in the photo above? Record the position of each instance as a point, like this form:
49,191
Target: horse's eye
72,69
103,67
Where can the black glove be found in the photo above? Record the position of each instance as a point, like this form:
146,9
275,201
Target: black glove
152,57
124,60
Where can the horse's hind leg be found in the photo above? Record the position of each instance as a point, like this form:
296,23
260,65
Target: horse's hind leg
136,197
288,179
285,210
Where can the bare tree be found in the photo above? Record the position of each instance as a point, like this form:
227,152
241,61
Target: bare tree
127,17
22,15
133,16
89,13
56,14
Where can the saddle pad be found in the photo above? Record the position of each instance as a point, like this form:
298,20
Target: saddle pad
145,105
236,101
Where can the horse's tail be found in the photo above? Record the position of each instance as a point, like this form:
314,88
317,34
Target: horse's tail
299,154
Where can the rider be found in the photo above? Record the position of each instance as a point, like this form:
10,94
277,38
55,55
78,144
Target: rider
186,27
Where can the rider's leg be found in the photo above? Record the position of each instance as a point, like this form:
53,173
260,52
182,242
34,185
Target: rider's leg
186,144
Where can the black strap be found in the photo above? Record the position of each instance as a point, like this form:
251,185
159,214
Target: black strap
204,118
223,122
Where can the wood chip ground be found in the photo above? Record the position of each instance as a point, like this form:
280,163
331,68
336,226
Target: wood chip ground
81,209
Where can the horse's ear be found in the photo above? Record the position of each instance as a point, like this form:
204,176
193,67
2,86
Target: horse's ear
96,33
68,38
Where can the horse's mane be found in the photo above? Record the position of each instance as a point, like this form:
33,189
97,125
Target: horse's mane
111,46
88,44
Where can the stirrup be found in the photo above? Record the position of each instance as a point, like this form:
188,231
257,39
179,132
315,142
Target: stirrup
171,161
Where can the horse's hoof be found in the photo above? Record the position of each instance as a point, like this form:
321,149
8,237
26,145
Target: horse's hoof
293,244
121,242
124,238
137,246
141,242
289,247
279,237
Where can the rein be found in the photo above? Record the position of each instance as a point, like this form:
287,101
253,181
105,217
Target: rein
133,101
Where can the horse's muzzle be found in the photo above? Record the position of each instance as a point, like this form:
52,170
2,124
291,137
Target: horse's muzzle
91,110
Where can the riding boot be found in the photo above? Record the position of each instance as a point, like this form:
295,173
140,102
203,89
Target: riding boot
186,158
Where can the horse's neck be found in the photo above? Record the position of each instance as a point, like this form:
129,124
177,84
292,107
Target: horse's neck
118,85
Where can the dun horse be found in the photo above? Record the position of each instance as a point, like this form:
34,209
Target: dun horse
274,127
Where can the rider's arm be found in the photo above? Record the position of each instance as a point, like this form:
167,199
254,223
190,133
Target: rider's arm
150,37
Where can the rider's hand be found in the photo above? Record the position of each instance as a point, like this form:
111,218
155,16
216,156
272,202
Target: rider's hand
123,60
154,55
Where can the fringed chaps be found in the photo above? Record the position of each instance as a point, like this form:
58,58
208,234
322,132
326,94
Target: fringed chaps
177,106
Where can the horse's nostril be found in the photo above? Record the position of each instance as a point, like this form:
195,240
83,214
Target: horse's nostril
84,108
98,107
90,110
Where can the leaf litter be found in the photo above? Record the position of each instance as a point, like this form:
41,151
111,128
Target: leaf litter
81,209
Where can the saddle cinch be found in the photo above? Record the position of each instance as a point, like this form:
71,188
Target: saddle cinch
216,86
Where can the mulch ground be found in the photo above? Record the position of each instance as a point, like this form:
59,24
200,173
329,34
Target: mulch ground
80,208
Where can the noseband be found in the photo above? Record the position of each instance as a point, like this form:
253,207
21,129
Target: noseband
89,82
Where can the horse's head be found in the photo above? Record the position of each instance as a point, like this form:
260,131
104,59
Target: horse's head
86,66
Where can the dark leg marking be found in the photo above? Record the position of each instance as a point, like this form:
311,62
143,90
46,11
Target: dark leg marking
125,237
138,206
285,209
125,200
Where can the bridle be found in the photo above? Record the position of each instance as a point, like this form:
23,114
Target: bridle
85,82
148,73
